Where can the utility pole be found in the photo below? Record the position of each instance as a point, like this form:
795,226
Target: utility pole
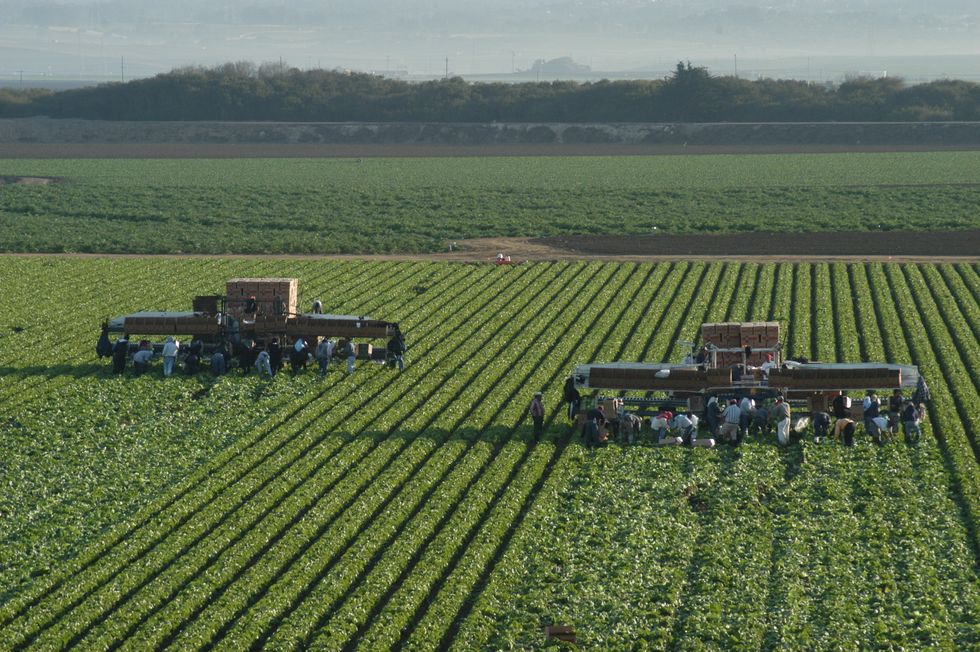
736,66
512,68
122,69
447,68
21,72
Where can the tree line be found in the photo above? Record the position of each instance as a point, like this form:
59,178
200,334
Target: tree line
244,91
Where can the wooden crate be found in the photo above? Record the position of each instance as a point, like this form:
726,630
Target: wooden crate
562,633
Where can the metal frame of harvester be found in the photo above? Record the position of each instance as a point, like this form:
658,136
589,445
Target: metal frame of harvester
256,310
731,370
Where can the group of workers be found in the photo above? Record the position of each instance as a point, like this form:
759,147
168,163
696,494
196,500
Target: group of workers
734,420
267,361
901,411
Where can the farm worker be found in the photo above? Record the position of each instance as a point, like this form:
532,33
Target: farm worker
170,349
103,347
844,428
879,424
661,425
250,308
218,366
712,414
632,425
730,424
396,350
317,307
895,403
572,397
687,425
275,356
593,435
536,410
279,306
702,356
596,414
140,359
840,405
762,420
872,406
821,425
910,422
347,351
119,352
263,363
324,351
747,408
921,395
298,355
782,412
767,365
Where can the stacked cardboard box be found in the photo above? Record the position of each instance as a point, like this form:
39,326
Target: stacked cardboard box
738,335
267,292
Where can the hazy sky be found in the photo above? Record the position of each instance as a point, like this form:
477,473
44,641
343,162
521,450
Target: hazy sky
107,39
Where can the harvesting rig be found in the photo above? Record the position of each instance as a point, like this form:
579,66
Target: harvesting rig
734,361
253,310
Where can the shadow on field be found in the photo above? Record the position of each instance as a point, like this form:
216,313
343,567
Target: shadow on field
56,371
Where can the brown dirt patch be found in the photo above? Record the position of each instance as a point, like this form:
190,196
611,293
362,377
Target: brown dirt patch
926,247
258,150
28,181
896,244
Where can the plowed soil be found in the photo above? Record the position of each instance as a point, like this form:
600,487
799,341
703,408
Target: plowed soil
791,245
277,150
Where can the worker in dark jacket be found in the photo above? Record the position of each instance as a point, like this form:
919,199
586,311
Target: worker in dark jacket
712,415
572,397
911,415
119,352
396,350
275,356
895,403
821,425
839,406
536,411
592,434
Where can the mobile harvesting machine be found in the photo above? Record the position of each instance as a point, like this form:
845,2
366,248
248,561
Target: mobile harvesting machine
253,311
731,363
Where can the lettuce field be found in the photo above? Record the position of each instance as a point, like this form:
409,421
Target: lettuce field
414,510
414,205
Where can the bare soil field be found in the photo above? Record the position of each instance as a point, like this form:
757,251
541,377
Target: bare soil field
940,246
421,150
859,244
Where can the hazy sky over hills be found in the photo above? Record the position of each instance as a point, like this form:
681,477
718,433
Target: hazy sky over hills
782,38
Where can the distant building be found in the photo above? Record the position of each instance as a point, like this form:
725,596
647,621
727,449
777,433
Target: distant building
560,67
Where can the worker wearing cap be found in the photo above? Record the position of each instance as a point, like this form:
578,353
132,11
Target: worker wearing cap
767,365
317,307
170,349
536,410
